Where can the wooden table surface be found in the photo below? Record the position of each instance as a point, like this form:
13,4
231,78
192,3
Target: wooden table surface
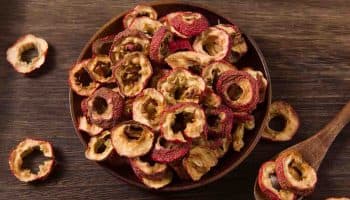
306,44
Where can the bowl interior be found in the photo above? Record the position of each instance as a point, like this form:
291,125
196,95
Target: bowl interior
232,159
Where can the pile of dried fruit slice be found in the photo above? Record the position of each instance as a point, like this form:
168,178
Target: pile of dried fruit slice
167,95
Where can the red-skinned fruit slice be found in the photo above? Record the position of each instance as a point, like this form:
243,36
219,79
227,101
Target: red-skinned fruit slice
132,73
105,108
80,80
159,48
99,147
27,54
188,24
213,42
86,126
210,99
219,120
183,120
132,139
158,183
212,71
219,144
126,42
167,151
239,90
102,46
127,111
148,107
181,86
269,185
100,69
146,168
139,11
259,76
165,21
146,25
295,174
180,44
157,75
190,60
242,117
25,148
290,119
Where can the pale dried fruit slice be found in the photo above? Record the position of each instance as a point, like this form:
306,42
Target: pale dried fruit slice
181,86
148,169
188,24
212,71
190,60
159,48
80,80
100,69
91,129
283,110
148,107
168,151
213,42
269,185
22,150
183,120
219,120
139,11
262,82
27,54
132,139
102,46
132,73
180,44
158,183
210,99
238,134
99,147
146,25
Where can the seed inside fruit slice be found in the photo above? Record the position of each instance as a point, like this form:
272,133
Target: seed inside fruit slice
100,69
212,71
188,24
99,147
146,25
139,11
102,46
169,151
190,60
159,48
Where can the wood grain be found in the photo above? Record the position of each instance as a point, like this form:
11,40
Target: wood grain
306,44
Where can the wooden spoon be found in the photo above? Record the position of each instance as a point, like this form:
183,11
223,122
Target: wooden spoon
315,148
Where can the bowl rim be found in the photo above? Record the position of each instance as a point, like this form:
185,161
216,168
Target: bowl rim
219,174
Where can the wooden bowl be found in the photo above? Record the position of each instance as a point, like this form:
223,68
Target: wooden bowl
231,160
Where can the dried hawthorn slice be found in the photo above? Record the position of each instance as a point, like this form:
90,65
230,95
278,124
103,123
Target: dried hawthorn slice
284,111
102,46
188,24
259,76
213,42
219,120
132,139
179,170
340,198
126,42
169,151
239,46
105,107
100,69
146,25
239,90
269,185
132,73
212,71
190,60
139,11
199,162
183,120
25,148
99,147
157,75
295,174
80,80
181,86
165,21
180,44
148,107
219,144
242,117
159,48
27,54
91,129
210,99
147,168
238,134
160,182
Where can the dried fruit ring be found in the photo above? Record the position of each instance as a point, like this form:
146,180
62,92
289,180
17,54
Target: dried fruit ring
20,55
132,73
188,24
100,69
104,107
183,120
132,139
25,148
159,48
212,72
190,60
295,174
181,86
139,11
146,25
148,107
159,182
86,126
269,185
219,120
148,168
262,82
239,90
102,46
99,147
282,109
167,151
213,42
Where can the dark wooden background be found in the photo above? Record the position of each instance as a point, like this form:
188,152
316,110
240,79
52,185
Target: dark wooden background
306,44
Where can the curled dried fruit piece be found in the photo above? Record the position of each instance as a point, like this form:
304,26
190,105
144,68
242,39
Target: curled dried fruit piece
210,99
27,54
262,82
180,170
139,11
127,42
295,174
168,151
284,111
147,168
25,148
91,129
189,60
146,25
199,161
219,120
181,86
238,135
212,71
132,73
213,42
180,44
239,90
159,48
100,69
104,107
242,117
132,139
102,46
80,80
148,107
158,183
269,185
99,147
187,24
183,120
